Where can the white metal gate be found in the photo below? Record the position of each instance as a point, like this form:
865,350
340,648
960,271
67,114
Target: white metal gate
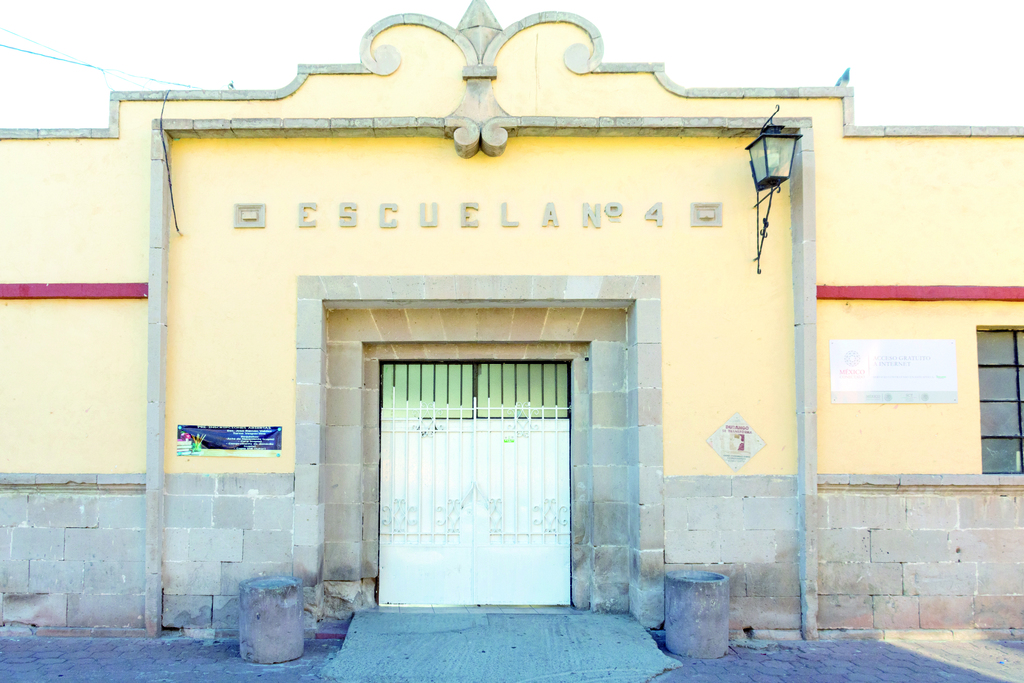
475,484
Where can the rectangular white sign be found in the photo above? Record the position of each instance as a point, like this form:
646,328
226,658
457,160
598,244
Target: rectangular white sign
893,370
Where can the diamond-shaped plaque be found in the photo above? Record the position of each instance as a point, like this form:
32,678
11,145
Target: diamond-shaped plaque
736,442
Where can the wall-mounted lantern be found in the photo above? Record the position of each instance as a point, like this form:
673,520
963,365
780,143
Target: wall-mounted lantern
771,162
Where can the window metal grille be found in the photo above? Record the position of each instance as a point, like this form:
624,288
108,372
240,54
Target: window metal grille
1001,384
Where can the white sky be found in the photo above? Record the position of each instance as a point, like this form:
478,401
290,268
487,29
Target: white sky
912,62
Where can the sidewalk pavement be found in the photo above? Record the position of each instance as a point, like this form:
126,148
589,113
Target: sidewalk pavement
856,661
175,659
161,660
560,646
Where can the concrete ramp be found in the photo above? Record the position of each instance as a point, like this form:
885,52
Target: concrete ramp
389,647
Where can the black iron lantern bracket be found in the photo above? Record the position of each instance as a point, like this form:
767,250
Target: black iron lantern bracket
771,163
762,223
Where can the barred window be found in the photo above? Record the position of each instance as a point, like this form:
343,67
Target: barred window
1001,380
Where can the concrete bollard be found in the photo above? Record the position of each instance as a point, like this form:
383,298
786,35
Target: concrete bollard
697,614
270,619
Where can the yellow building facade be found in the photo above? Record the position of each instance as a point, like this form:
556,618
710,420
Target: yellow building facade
481,197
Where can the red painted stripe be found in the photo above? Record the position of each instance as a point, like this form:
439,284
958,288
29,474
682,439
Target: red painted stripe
75,290
921,293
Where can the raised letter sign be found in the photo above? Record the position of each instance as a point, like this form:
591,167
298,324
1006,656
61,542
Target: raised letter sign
614,211
593,215
505,222
550,217
654,214
384,222
304,219
424,223
348,215
467,221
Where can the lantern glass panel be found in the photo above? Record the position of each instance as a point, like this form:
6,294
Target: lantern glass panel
757,160
779,156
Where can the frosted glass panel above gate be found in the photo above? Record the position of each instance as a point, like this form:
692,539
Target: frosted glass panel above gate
442,388
507,389
501,389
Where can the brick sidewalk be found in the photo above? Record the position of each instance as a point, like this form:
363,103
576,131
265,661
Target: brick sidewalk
859,661
173,660
117,660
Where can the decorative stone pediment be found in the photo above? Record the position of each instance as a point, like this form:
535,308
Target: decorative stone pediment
479,122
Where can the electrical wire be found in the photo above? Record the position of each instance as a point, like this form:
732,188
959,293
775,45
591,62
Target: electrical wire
104,72
167,162
125,76
83,63
36,42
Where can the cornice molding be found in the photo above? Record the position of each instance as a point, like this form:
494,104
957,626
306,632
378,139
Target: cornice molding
449,127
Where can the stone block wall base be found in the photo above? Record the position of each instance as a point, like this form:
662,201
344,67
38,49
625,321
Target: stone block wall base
313,605
201,633
922,634
343,598
743,637
744,527
920,557
221,529
72,553
217,633
14,631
